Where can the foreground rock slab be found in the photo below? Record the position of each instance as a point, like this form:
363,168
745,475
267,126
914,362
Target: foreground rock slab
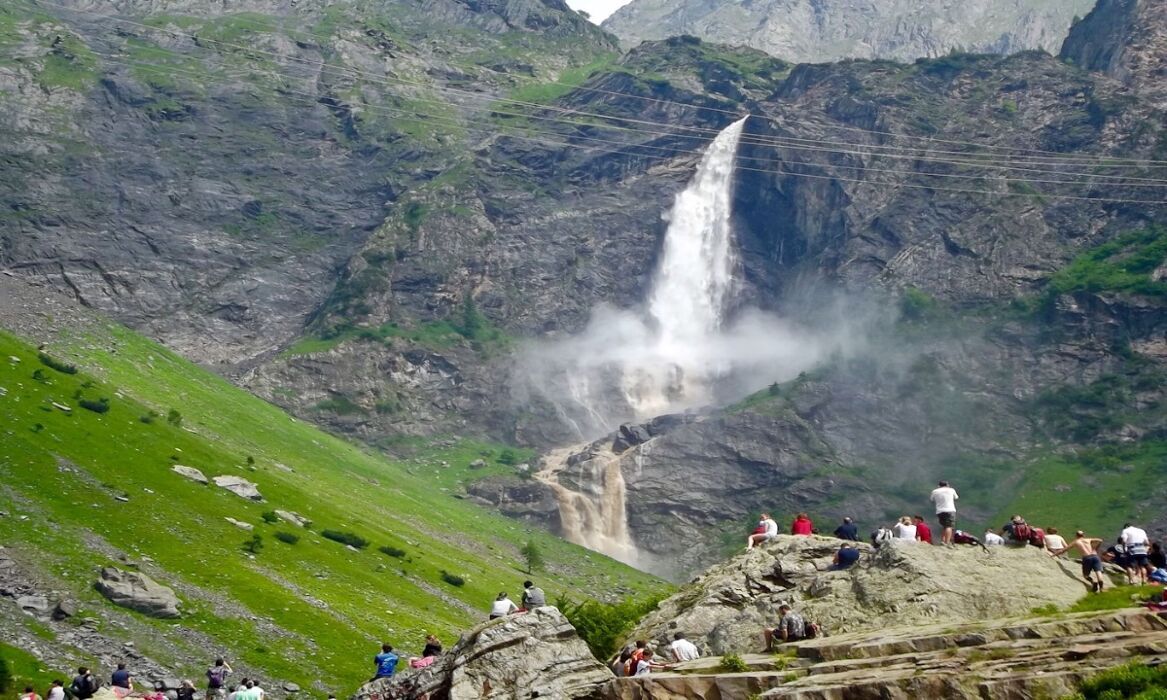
537,654
239,486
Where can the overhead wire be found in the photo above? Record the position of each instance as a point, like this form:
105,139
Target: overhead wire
623,148
894,152
1110,161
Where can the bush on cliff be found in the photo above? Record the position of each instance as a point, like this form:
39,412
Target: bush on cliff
1133,681
603,625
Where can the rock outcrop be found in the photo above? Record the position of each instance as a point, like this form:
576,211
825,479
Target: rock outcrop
190,473
725,609
1126,39
137,591
809,31
537,654
239,486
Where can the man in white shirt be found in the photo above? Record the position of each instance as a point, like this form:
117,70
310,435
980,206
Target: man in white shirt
944,496
1136,542
992,538
769,530
683,649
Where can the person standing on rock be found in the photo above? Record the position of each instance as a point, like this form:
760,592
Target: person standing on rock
923,532
1136,542
1091,561
848,530
386,662
533,596
944,497
217,679
767,530
682,649
121,678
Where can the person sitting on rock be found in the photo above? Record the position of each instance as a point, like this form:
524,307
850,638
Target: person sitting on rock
56,690
646,664
801,525
848,530
682,649
121,679
767,530
1157,557
992,538
791,628
1053,543
429,654
635,654
186,691
623,660
923,532
386,662
1017,531
533,596
29,694
84,685
845,557
502,606
880,536
904,530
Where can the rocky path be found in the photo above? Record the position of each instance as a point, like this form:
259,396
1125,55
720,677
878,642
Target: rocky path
1021,658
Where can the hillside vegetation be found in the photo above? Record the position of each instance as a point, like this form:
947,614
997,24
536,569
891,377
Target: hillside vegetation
92,428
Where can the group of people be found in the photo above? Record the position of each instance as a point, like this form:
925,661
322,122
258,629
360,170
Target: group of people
1142,559
639,659
533,597
86,684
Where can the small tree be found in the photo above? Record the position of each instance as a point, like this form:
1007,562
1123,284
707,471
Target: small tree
532,556
174,418
5,676
287,537
253,545
270,517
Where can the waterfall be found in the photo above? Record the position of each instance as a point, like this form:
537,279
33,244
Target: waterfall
661,364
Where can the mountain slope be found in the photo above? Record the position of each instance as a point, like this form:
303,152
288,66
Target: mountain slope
85,489
817,32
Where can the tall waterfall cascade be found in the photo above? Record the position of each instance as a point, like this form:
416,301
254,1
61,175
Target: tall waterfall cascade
665,361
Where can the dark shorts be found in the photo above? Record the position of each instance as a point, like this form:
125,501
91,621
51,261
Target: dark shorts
1137,561
1090,564
946,519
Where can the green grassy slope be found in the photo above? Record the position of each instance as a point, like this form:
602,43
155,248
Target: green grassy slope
305,612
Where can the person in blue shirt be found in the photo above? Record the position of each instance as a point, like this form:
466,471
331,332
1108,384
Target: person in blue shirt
386,662
845,557
847,531
121,678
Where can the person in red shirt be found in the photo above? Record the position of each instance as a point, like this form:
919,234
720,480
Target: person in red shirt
801,525
923,532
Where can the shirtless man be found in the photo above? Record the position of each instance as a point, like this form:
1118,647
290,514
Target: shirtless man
1091,562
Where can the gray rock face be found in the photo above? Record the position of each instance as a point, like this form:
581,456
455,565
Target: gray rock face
1126,39
239,486
139,592
537,654
902,584
190,473
810,31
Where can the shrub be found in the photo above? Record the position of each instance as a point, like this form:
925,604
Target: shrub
1124,682
53,363
40,376
253,545
287,537
603,625
174,418
148,418
733,663
5,676
344,537
391,551
452,579
270,517
508,457
99,406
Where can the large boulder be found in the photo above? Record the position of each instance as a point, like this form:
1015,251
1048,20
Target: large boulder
190,473
725,609
537,654
239,486
137,591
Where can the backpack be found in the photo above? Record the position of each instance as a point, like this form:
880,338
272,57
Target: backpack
1022,532
812,630
1037,537
216,676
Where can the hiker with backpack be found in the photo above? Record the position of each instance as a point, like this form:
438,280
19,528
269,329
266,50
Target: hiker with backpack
791,628
1020,533
84,685
217,679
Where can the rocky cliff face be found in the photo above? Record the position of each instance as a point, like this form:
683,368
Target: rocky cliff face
817,32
